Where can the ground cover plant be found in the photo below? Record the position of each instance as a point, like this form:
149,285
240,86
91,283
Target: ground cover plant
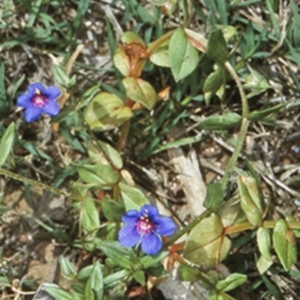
149,144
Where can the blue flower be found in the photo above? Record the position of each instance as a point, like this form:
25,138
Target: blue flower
145,227
38,100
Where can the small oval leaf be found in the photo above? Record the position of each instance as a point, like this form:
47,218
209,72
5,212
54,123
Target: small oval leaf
226,121
140,91
106,111
184,57
285,244
89,216
216,47
206,244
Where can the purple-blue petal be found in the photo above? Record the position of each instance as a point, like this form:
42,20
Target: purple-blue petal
165,226
128,236
51,108
32,113
131,217
151,244
37,85
24,100
150,210
52,92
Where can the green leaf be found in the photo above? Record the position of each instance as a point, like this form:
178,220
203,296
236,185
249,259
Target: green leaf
116,278
85,273
67,268
184,57
213,83
107,111
112,210
216,47
285,244
133,198
111,154
272,288
263,264
231,213
161,56
231,282
119,254
212,247
250,199
61,77
7,142
256,83
58,293
263,238
130,37
98,175
140,91
139,277
150,261
259,115
122,61
290,218
95,285
87,96
89,216
189,273
104,153
226,121
214,196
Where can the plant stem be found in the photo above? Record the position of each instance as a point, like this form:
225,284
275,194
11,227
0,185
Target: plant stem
244,124
123,136
265,224
236,152
156,44
245,107
37,183
186,229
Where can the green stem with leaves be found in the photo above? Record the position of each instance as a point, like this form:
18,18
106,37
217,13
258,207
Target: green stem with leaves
37,184
238,228
244,125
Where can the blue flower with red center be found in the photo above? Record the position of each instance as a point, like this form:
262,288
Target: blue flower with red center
38,100
145,227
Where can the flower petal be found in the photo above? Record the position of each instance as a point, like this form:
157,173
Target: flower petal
32,113
150,210
24,100
151,244
131,217
37,85
52,92
165,226
128,236
51,108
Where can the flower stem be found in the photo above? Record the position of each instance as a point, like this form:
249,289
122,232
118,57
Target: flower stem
186,229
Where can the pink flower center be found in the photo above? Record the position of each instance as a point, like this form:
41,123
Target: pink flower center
38,100
144,225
